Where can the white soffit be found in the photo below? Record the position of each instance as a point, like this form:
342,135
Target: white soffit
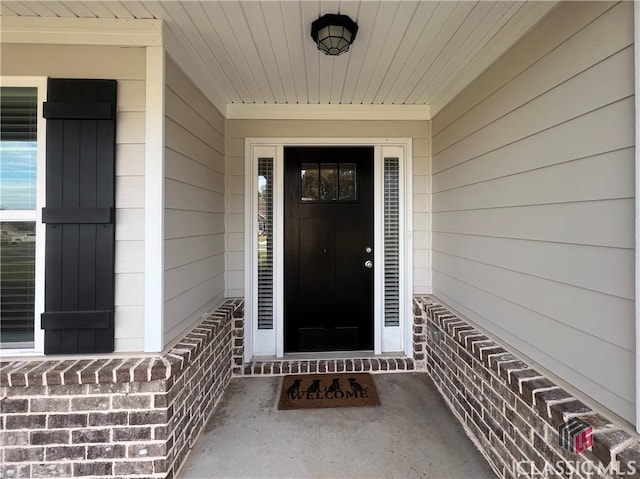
243,111
244,54
81,31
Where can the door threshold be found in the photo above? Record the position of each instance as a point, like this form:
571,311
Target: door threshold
332,362
320,355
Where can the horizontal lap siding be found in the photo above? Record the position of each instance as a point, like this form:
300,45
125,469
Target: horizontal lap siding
194,203
241,129
127,66
533,200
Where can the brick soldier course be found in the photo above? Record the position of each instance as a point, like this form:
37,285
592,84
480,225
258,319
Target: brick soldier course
139,417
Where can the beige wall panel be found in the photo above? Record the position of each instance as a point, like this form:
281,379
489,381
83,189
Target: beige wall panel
183,278
182,168
182,141
578,308
185,115
129,289
577,54
236,185
182,196
236,147
592,89
73,61
183,224
236,204
130,192
128,324
131,95
129,344
601,177
236,280
194,203
236,242
181,251
533,221
563,346
176,80
598,223
558,26
130,159
236,260
129,257
192,305
560,262
240,129
236,165
130,224
130,127
594,133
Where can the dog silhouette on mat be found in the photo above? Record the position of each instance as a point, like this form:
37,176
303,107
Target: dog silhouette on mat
294,389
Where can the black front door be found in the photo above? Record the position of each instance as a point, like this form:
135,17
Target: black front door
328,284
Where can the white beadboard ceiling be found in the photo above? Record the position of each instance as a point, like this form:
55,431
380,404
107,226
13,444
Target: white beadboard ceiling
419,53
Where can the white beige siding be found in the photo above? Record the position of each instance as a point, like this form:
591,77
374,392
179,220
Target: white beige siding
533,200
194,203
241,129
127,66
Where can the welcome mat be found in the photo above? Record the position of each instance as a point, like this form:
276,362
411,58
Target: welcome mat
328,390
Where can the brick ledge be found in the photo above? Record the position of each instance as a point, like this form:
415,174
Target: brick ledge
52,372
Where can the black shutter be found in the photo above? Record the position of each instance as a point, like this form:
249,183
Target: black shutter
80,216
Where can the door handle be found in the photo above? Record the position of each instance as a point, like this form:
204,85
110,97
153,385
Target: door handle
368,264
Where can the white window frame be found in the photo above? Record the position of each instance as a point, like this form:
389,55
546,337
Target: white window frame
270,343
30,215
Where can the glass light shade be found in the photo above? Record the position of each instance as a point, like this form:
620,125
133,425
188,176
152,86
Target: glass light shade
333,34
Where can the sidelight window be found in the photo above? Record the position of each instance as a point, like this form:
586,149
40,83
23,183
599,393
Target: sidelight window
391,242
265,243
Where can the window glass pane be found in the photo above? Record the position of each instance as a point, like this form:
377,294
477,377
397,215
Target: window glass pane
309,182
17,284
348,181
18,148
328,181
265,243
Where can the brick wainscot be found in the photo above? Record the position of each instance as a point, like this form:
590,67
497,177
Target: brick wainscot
509,409
126,417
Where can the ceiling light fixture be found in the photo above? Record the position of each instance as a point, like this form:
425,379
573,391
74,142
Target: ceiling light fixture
334,34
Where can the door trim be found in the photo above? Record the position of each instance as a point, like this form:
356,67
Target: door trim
270,342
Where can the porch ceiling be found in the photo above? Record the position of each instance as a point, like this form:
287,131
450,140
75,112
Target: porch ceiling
261,52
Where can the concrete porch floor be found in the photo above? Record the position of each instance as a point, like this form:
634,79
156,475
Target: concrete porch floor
412,434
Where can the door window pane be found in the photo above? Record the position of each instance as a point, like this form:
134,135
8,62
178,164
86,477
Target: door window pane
347,181
328,182
309,187
17,283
